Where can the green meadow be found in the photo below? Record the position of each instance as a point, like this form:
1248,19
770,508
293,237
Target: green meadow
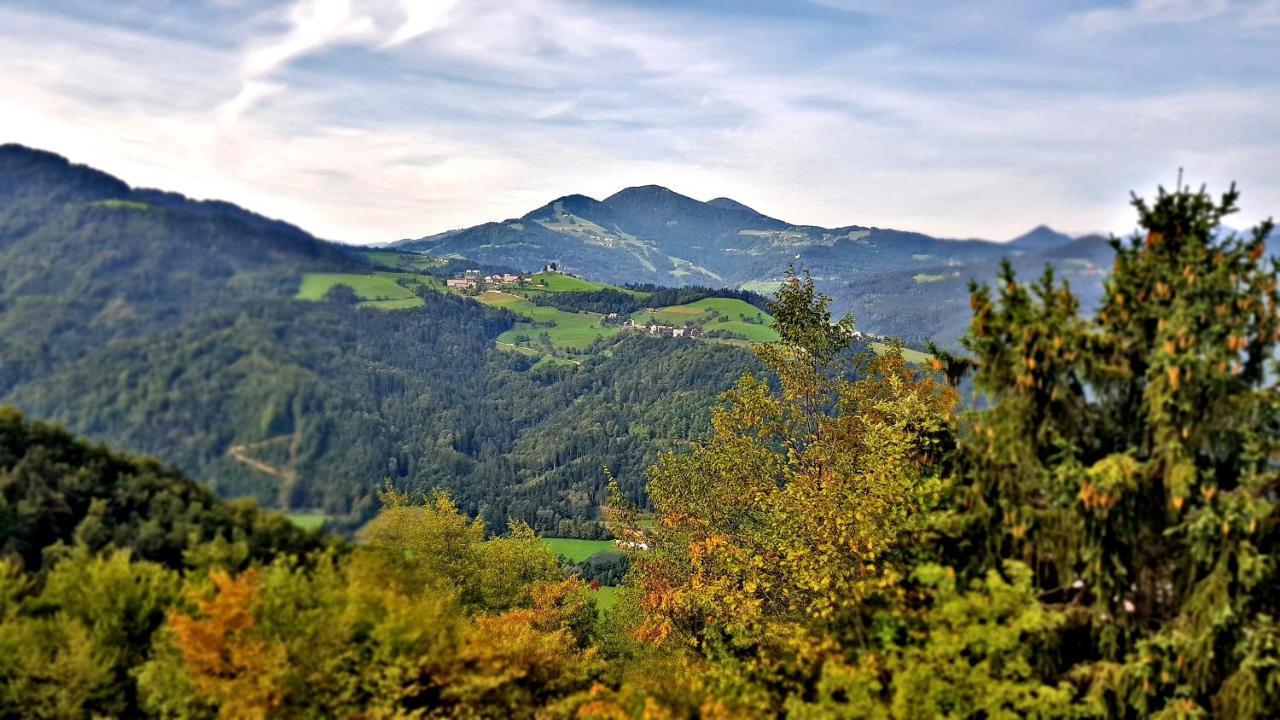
402,260
576,550
565,330
555,282
915,357
708,313
378,290
605,598
307,520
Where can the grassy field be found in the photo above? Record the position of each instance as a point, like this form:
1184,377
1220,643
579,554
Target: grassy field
576,550
571,330
307,521
764,287
550,282
606,597
707,313
559,282
407,261
915,357
378,290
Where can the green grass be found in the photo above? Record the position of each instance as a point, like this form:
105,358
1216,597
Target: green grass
518,349
915,357
378,290
570,330
559,282
764,287
576,550
407,261
553,361
606,597
401,304
307,520
117,204
704,313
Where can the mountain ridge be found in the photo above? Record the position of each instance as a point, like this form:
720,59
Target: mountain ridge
652,234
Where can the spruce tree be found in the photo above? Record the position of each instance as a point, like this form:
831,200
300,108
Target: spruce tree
1129,459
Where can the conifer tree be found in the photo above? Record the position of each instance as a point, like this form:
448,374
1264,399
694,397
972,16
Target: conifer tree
1129,458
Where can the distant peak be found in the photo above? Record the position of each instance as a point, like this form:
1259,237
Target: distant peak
646,192
575,198
576,204
1040,237
725,203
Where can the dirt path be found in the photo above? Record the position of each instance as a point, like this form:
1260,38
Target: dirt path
240,453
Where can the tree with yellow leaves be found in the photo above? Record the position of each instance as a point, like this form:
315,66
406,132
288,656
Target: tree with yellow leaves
775,531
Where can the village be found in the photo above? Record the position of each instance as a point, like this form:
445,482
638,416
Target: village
472,281
653,328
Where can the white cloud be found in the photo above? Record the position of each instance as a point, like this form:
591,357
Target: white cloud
441,115
1149,12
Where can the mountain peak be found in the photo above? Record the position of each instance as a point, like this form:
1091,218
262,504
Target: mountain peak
1041,237
580,205
647,193
725,203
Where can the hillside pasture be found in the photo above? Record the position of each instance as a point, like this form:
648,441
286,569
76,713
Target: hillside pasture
565,330
914,357
402,260
307,520
708,312
575,550
378,290
560,282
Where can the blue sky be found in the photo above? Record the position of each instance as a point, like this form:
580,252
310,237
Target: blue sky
373,120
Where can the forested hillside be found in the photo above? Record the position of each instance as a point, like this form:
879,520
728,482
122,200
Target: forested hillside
1098,540
172,327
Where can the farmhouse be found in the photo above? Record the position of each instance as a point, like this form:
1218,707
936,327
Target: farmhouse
463,283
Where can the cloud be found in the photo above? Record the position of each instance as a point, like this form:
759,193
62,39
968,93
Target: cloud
371,120
1149,12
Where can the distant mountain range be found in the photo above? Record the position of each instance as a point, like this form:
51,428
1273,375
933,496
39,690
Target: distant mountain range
895,282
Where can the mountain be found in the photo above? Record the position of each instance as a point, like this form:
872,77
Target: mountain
894,282
173,327
1041,237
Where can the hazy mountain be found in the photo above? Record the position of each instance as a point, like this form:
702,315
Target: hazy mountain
1041,237
894,282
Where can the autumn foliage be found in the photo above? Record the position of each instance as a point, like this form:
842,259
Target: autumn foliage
1093,534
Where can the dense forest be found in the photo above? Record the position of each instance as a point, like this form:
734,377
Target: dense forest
169,327
1098,538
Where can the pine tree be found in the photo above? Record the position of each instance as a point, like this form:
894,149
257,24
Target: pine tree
1129,458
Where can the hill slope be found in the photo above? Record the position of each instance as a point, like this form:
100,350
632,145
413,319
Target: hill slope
173,327
652,234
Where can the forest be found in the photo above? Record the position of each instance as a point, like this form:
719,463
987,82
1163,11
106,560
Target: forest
1096,538
169,327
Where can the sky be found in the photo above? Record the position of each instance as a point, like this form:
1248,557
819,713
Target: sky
375,120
